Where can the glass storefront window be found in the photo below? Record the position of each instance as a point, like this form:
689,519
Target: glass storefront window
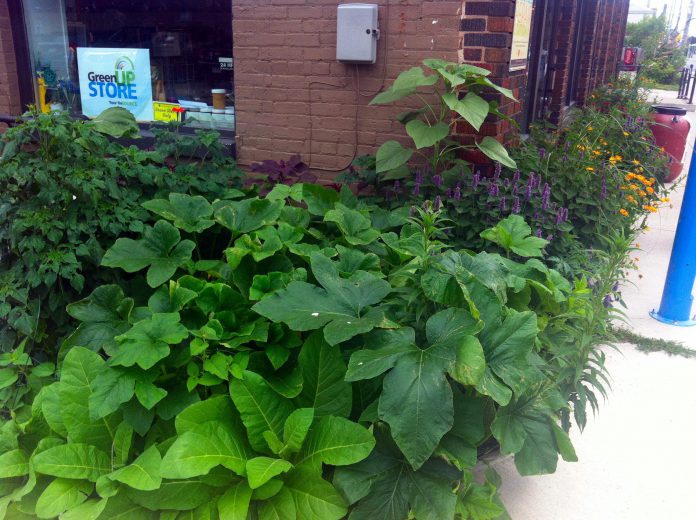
188,42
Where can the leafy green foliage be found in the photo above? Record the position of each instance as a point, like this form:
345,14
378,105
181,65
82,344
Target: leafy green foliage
352,367
430,127
67,192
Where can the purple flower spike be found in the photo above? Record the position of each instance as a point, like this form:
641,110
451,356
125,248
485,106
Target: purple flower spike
516,206
607,301
416,189
438,203
475,180
528,193
545,196
458,192
538,233
567,146
498,171
549,237
493,189
503,205
603,193
564,158
419,177
516,177
542,153
515,189
437,181
448,194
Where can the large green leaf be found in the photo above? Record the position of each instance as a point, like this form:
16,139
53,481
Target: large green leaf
470,365
261,408
473,108
104,315
187,212
514,234
13,463
280,506
384,348
88,510
296,428
506,349
323,372
212,443
76,461
80,370
342,304
405,84
116,122
113,387
215,408
425,135
336,441
234,504
496,151
469,429
526,427
386,487
143,473
416,398
60,495
260,470
315,498
356,228
243,216
161,250
180,495
391,155
147,342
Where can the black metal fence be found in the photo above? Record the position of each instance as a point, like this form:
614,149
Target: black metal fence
687,84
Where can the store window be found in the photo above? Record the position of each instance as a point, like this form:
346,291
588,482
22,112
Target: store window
161,59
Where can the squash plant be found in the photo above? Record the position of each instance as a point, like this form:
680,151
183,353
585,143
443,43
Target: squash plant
457,89
298,356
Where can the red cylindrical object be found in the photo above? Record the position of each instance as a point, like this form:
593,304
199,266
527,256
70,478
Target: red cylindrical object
671,129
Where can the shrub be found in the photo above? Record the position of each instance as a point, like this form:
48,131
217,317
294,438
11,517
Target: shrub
66,192
304,353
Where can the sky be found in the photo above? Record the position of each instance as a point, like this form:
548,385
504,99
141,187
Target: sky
673,7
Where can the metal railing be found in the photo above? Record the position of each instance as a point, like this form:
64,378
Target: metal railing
687,84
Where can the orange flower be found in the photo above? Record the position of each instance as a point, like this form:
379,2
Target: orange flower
650,190
590,169
651,209
630,199
623,212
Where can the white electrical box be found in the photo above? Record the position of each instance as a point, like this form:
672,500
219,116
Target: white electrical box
357,32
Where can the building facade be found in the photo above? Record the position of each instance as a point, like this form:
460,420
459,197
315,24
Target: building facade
275,63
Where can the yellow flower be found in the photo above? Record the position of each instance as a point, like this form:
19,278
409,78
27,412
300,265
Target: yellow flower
651,209
664,199
581,148
596,152
641,193
650,190
636,162
626,134
589,128
623,212
590,169
630,198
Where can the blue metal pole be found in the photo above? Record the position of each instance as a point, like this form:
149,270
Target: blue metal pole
675,308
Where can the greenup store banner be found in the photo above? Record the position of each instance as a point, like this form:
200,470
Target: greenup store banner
115,78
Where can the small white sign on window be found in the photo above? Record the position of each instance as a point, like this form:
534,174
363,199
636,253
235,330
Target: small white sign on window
226,63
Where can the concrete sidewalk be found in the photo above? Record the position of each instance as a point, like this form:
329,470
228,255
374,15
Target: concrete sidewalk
637,456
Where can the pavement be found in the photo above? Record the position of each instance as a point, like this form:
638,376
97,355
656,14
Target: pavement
637,456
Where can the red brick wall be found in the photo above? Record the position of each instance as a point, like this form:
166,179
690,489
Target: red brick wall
291,94
562,57
9,88
486,42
